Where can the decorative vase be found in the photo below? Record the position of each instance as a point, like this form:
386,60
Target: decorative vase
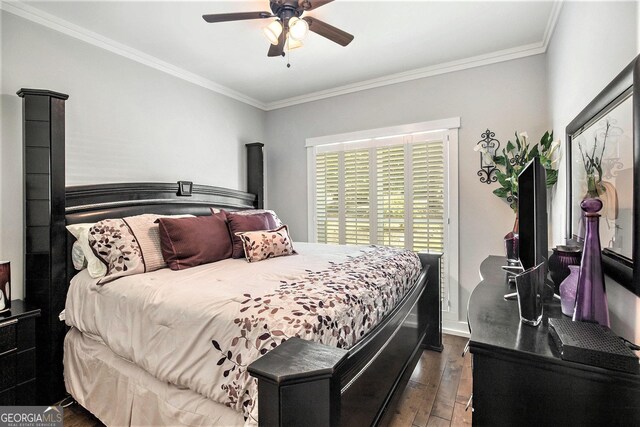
568,289
5,286
511,241
560,260
591,296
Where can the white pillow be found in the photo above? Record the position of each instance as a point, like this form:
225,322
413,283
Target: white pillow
77,256
81,232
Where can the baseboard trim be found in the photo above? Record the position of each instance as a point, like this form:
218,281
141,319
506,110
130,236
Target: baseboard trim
455,327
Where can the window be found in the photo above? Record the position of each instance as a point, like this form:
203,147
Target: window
391,190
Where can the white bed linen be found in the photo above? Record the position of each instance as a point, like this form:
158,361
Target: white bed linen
164,321
199,328
120,393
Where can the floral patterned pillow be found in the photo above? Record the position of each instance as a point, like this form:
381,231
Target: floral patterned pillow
113,242
128,246
259,245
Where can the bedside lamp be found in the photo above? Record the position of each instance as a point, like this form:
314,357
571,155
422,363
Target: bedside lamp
5,286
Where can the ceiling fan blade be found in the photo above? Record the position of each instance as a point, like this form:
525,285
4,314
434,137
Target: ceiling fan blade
276,50
328,31
223,17
312,4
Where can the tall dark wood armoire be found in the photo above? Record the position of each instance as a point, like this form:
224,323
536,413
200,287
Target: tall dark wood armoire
43,129
255,171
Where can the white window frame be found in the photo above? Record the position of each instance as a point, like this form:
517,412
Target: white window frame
449,128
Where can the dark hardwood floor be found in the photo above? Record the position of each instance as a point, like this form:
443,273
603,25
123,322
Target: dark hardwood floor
438,390
435,395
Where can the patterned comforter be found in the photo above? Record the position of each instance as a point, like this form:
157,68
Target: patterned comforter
200,328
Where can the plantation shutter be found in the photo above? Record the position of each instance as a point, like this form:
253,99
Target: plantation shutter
388,193
356,197
327,197
428,210
391,190
391,195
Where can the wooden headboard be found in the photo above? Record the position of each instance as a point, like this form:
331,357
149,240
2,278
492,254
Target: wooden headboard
93,203
50,206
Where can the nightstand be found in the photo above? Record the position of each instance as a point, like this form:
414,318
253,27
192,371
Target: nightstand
18,354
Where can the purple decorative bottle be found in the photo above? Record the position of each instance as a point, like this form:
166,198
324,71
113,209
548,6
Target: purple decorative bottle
591,297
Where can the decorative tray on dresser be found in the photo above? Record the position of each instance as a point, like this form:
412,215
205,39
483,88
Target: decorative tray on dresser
519,377
18,354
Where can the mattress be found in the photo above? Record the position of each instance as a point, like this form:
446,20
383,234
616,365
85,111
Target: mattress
200,328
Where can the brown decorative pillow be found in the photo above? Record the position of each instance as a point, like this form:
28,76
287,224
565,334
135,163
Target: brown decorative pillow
145,229
276,220
239,223
187,242
259,245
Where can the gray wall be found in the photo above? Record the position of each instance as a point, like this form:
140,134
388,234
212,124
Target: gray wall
125,122
128,122
592,43
505,97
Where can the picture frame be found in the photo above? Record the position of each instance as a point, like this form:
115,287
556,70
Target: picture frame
609,129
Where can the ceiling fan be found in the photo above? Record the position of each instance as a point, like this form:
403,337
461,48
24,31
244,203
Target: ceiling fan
289,28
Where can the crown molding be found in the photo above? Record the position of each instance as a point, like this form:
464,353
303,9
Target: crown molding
420,73
551,23
443,68
38,16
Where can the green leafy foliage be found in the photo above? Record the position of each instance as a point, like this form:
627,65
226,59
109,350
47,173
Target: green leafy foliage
515,156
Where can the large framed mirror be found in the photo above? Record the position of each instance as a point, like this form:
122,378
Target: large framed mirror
603,159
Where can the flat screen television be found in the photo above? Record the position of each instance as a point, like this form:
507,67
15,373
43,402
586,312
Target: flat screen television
532,215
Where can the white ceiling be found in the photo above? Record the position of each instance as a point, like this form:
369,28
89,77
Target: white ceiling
391,37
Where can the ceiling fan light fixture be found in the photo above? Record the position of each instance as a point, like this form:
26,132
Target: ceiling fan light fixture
292,43
298,28
273,31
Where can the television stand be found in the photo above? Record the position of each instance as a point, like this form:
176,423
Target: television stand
519,377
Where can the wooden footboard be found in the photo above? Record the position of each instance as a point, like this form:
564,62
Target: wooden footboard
306,383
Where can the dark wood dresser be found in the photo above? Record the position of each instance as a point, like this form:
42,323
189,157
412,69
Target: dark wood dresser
519,377
18,354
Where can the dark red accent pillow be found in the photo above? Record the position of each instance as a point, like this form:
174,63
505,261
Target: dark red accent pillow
241,223
187,242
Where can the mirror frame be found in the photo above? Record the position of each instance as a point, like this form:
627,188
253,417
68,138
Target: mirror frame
616,266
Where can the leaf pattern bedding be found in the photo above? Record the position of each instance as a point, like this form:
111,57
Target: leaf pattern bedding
200,328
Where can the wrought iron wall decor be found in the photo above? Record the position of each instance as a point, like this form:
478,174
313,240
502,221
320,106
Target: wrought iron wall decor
488,147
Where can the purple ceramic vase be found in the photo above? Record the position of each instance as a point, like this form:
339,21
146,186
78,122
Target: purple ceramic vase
559,262
511,243
591,297
568,289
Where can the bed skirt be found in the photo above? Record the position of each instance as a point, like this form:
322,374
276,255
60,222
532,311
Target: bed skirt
119,393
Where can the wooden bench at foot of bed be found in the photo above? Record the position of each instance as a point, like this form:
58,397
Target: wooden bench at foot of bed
306,383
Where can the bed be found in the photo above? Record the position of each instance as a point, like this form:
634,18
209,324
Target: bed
142,357
299,381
